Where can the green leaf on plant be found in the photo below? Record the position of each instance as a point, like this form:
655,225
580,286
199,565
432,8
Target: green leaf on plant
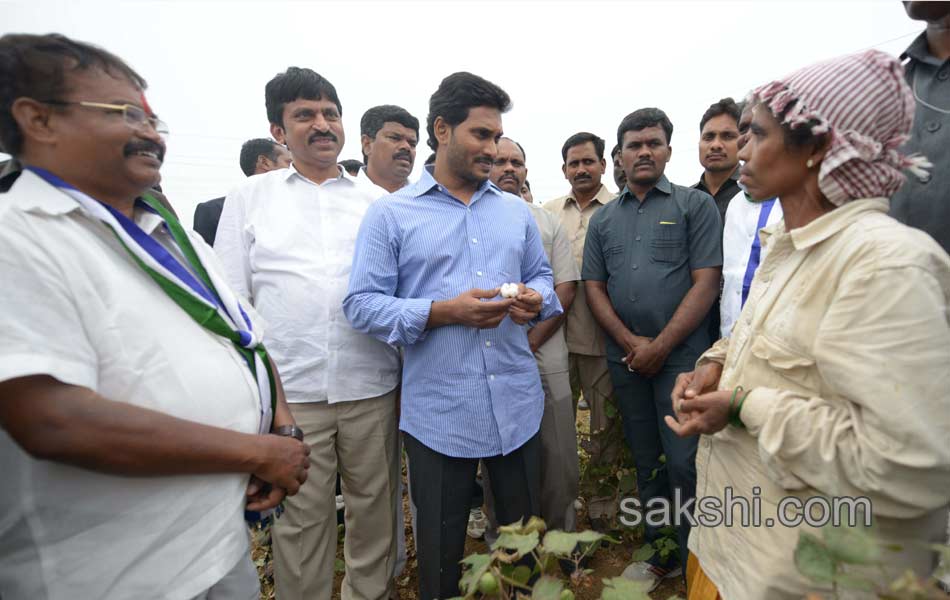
644,552
853,545
521,574
628,483
521,543
547,588
619,588
477,564
339,566
560,543
813,559
854,582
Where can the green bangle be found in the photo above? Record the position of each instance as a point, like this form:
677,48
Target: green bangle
734,417
732,400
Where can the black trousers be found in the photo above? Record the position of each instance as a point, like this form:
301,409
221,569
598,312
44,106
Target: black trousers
442,492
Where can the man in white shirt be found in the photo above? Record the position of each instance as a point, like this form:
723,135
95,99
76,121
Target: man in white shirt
742,252
131,414
286,239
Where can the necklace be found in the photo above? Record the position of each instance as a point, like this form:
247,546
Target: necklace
917,97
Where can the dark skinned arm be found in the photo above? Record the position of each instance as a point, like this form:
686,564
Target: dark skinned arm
74,425
689,314
542,332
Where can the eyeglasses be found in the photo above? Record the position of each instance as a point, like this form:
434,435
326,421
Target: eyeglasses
134,116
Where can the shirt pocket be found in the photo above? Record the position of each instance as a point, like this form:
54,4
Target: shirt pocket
668,243
789,367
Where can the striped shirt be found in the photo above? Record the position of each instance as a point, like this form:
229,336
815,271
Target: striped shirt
466,392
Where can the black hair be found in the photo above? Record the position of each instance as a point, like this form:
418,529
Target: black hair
430,160
801,134
374,119
582,138
351,165
615,151
35,66
643,118
524,154
726,106
296,84
527,184
458,93
252,149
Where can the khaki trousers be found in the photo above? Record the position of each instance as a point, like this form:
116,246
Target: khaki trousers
359,439
589,376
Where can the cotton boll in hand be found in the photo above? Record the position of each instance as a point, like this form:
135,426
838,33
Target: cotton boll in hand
509,290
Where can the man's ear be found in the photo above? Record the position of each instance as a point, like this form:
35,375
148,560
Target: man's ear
564,170
277,132
442,130
365,144
34,120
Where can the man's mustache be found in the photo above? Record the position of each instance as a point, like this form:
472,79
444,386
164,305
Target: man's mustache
322,134
403,155
136,146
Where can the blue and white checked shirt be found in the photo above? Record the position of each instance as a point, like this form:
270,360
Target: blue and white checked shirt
466,392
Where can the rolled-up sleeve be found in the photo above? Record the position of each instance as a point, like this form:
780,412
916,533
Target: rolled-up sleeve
536,271
882,351
370,305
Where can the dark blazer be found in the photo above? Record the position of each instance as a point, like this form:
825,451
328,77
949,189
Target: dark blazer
207,215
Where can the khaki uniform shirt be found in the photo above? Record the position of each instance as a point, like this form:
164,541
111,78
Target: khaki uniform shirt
845,344
584,335
552,355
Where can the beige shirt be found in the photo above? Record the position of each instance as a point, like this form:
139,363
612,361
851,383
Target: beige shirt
552,355
845,344
584,335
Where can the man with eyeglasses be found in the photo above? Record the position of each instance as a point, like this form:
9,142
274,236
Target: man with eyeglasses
135,393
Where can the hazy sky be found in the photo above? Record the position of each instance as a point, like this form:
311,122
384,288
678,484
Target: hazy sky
568,66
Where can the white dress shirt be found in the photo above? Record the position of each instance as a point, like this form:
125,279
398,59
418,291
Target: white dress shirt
287,245
739,231
76,307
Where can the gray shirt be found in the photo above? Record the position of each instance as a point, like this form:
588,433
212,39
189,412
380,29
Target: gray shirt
646,252
925,203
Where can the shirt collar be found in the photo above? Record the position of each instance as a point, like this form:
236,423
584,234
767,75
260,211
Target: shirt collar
603,196
39,196
920,51
831,223
427,182
701,184
663,186
292,171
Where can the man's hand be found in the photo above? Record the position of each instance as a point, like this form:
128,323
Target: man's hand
284,462
649,358
689,386
471,309
262,495
631,343
527,305
707,413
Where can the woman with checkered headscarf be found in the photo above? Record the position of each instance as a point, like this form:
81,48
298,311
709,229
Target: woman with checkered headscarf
833,385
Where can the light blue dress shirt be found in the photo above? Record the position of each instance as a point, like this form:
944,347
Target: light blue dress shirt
466,392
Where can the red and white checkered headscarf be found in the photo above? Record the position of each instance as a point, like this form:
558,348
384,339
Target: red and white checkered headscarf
863,102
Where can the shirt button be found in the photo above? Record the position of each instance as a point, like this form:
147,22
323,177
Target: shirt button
933,126
640,211
925,178
638,238
635,267
634,299
474,240
479,273
491,377
488,343
943,74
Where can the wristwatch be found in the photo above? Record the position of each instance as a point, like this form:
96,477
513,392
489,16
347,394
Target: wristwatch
289,431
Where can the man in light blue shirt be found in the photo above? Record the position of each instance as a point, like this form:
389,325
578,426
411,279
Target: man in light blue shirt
429,262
